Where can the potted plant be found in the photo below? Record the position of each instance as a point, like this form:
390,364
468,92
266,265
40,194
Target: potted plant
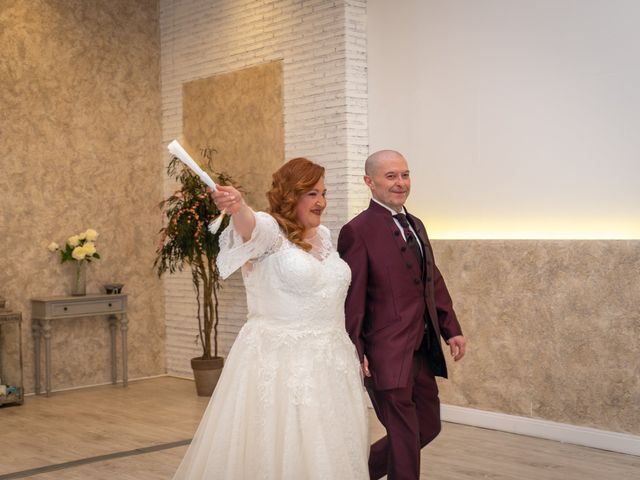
187,241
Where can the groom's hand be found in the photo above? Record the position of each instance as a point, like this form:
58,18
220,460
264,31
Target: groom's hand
457,346
365,367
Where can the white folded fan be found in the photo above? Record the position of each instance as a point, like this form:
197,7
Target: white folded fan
176,149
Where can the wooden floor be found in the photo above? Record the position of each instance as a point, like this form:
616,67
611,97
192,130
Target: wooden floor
111,420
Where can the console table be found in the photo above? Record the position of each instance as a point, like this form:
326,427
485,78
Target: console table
47,310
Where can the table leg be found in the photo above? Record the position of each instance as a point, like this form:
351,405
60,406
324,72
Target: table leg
124,326
1,370
114,370
35,329
46,333
21,365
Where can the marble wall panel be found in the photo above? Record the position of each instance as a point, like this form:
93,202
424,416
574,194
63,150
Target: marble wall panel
240,115
553,329
80,127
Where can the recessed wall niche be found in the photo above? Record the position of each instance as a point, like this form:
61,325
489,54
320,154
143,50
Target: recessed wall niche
239,115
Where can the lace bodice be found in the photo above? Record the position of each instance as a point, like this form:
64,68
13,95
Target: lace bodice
284,284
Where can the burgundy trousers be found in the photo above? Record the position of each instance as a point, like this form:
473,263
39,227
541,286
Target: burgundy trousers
411,417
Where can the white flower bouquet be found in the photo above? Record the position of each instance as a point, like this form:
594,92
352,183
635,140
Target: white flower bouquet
80,247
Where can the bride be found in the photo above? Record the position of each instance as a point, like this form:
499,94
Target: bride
289,404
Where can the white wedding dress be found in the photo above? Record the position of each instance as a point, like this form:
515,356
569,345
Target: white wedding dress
289,404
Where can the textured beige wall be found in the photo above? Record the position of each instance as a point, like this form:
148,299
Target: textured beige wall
553,329
240,115
80,133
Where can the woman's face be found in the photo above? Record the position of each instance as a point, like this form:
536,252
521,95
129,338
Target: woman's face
311,205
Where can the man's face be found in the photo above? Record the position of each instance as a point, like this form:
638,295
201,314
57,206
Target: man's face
390,183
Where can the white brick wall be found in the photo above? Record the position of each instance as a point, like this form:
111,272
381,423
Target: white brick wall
323,48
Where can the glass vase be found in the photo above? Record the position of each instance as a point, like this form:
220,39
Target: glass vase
79,282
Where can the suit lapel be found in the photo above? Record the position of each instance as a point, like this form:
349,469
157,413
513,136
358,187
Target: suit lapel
386,218
424,240
422,235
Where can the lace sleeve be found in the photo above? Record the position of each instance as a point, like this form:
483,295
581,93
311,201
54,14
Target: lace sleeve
234,253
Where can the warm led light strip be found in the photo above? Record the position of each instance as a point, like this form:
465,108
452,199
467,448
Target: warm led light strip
533,235
538,230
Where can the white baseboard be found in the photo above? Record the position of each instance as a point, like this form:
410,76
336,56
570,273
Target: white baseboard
80,387
561,432
182,377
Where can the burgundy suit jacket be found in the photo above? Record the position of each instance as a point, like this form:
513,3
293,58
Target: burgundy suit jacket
389,299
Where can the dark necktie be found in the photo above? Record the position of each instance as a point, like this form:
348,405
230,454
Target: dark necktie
412,242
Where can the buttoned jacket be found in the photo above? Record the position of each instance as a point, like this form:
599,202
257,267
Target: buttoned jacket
390,297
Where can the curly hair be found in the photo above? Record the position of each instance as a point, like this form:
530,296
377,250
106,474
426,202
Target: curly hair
290,182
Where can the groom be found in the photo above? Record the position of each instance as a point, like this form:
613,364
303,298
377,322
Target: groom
397,309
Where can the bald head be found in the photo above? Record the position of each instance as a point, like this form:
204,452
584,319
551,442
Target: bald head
374,160
387,176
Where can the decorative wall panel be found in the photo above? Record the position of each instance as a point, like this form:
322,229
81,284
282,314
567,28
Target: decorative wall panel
80,129
240,115
553,329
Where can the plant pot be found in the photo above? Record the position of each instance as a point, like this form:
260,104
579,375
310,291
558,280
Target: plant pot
206,373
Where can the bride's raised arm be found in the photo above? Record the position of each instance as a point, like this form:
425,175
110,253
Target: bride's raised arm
250,235
230,200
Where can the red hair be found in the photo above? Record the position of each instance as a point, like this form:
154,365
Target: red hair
290,182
